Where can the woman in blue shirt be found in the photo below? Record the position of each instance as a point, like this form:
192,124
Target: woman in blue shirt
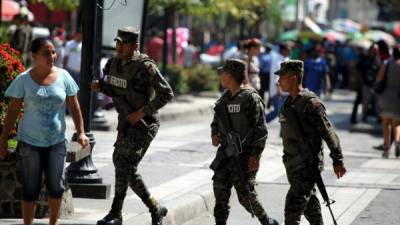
42,91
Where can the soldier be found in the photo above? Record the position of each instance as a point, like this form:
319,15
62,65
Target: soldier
246,113
138,90
22,37
310,112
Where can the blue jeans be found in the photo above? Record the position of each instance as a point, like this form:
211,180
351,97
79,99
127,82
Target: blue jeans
277,102
36,160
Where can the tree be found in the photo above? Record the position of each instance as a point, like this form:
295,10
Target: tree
250,10
59,4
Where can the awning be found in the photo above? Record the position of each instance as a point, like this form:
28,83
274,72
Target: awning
9,9
378,35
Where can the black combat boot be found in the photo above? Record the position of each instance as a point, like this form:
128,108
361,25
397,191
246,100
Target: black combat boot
158,216
114,217
157,212
265,220
220,223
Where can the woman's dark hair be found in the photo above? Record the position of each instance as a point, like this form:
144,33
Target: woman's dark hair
396,52
383,47
38,43
251,43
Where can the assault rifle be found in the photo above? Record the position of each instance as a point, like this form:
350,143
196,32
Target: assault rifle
233,149
125,109
308,156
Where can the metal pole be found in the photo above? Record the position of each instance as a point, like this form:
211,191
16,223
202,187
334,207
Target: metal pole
84,170
144,23
165,47
298,21
173,26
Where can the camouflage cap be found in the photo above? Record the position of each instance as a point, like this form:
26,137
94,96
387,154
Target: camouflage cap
290,67
127,34
235,67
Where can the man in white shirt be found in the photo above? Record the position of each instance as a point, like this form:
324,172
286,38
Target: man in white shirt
72,56
277,97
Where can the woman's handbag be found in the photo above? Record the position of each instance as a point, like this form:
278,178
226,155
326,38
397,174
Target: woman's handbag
379,86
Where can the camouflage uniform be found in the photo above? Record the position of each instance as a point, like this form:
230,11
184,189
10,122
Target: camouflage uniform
301,197
246,110
136,85
21,38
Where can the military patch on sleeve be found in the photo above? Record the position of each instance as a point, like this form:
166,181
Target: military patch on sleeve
151,68
317,106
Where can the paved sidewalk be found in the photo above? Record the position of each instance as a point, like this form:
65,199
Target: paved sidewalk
181,106
372,183
169,187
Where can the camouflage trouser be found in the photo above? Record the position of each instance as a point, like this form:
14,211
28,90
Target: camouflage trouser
224,179
130,148
302,199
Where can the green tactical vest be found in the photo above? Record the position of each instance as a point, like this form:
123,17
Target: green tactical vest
292,158
131,81
237,108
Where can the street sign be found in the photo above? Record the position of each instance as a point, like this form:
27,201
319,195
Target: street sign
120,14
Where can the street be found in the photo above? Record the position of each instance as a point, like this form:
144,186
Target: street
176,57
367,194
177,163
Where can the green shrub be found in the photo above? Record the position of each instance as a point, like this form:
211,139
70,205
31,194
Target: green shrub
202,78
177,79
4,36
199,78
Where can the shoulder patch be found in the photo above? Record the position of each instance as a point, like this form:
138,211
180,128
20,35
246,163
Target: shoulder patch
315,104
151,68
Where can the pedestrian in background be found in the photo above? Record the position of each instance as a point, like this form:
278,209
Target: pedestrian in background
73,56
265,67
189,55
245,110
368,67
58,41
388,102
316,73
252,49
43,92
139,91
311,117
22,37
154,46
276,95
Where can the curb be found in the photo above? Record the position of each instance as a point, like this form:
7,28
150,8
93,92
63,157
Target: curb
183,208
185,106
195,112
366,128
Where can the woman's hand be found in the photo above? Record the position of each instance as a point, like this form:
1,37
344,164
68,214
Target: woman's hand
83,139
